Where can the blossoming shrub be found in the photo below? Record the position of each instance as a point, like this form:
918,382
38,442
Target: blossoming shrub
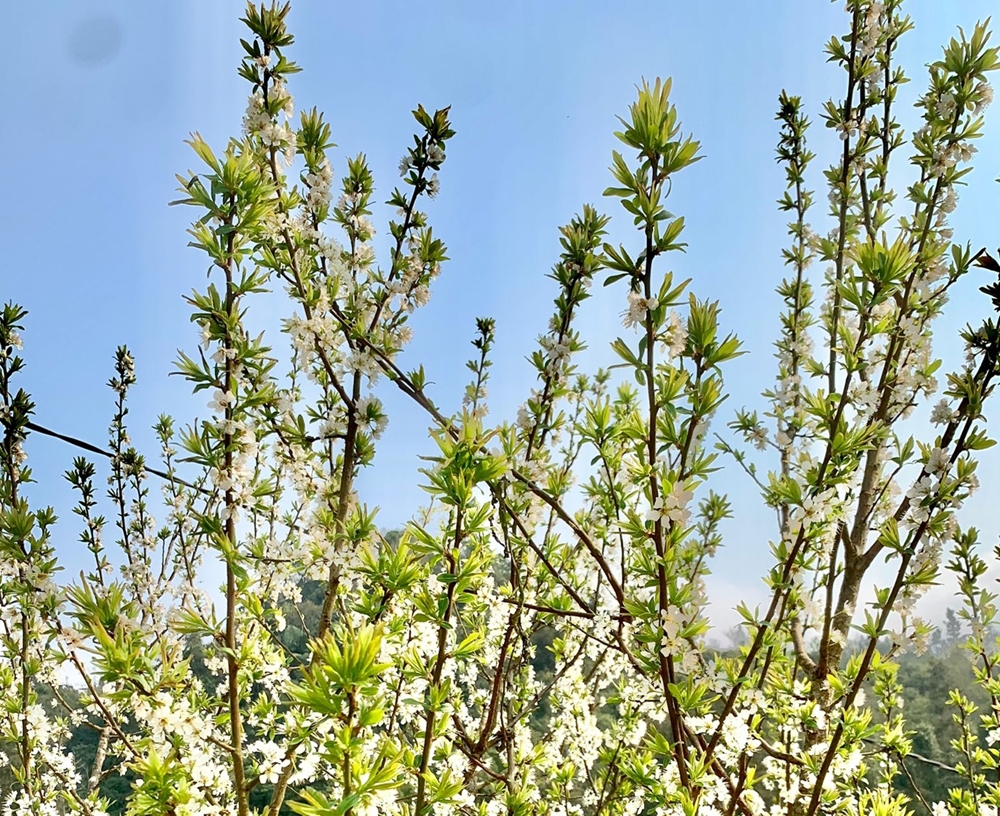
535,642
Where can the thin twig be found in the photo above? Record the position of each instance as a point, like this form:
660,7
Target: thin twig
31,426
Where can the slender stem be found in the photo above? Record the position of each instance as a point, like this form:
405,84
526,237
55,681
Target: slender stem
842,218
232,645
442,654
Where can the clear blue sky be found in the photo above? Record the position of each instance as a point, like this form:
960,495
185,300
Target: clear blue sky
103,94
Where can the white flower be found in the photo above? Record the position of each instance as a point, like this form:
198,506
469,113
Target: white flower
945,107
672,506
984,92
433,185
369,413
221,399
637,308
847,129
675,337
938,461
949,202
942,414
921,490
435,153
524,419
966,151
272,761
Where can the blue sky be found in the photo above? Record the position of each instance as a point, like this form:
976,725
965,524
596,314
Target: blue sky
106,92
